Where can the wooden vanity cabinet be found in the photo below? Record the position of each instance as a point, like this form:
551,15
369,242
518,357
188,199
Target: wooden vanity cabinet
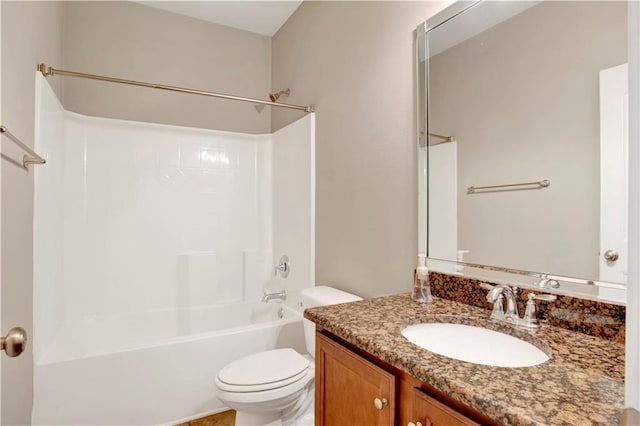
354,388
351,390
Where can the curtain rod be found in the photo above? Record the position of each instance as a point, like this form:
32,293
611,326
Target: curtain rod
46,71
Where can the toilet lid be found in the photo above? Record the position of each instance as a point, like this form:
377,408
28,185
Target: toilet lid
264,368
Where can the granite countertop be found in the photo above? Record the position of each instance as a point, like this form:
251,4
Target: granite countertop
582,383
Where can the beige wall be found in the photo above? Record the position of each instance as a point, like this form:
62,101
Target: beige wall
31,32
522,101
132,41
355,62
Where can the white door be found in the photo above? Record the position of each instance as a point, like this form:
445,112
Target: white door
614,142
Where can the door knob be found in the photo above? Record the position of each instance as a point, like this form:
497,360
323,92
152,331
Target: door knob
14,342
611,256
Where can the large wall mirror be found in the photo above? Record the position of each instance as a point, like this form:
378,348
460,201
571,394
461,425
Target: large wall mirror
523,139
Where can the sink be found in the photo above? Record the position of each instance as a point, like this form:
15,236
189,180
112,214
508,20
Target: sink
474,344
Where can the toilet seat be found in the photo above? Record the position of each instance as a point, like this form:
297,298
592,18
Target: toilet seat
285,374
263,371
287,392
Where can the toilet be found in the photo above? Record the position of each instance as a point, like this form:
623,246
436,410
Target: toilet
276,387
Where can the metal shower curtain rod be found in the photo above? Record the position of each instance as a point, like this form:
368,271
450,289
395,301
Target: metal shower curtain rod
46,71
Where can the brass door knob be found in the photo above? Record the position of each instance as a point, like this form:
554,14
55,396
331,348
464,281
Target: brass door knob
611,256
14,342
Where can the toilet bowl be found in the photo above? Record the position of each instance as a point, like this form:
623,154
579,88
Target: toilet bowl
276,387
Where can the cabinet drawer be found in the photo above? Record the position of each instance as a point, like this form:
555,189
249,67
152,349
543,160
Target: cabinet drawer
428,411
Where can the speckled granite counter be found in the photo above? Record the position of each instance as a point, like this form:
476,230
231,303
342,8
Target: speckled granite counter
582,383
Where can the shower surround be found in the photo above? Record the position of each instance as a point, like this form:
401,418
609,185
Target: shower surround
146,238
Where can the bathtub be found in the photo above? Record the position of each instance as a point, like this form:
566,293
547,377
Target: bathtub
153,368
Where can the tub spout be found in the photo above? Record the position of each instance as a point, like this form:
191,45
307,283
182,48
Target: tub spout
270,296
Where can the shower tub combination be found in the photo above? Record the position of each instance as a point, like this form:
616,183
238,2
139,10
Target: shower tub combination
155,368
152,247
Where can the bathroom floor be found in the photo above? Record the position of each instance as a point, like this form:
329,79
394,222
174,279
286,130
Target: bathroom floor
226,418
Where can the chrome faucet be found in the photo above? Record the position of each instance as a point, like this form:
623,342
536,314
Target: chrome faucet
497,294
270,296
494,296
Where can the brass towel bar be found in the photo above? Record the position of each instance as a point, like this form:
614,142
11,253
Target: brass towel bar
540,184
443,137
32,158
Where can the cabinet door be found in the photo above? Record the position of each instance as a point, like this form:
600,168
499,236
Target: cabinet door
350,390
430,412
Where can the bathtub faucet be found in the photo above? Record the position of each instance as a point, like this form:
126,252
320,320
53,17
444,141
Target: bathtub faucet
270,296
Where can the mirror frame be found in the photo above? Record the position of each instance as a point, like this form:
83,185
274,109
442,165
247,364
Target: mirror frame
522,278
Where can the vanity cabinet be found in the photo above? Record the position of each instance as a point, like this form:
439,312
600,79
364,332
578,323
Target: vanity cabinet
355,388
351,390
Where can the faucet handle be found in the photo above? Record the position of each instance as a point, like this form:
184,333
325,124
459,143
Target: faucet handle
284,267
496,298
529,320
544,297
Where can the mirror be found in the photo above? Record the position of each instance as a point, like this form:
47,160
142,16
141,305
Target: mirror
523,139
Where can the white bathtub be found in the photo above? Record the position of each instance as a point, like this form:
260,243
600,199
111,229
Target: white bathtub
153,368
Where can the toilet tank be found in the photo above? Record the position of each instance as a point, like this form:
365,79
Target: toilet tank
321,296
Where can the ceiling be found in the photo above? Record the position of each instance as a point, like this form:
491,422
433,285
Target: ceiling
263,17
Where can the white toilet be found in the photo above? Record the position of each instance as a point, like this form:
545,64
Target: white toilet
276,387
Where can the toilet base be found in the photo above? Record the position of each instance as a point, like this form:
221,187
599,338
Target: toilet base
299,414
306,420
257,419
249,419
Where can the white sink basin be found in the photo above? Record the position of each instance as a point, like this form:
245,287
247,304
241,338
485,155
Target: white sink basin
475,344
